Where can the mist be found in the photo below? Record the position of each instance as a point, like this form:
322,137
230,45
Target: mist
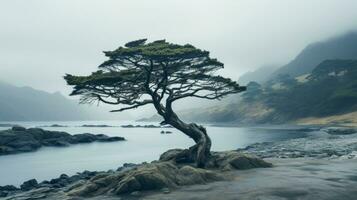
41,41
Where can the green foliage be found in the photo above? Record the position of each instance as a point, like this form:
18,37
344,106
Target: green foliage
156,73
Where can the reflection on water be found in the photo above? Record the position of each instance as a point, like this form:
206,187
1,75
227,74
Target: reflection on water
143,144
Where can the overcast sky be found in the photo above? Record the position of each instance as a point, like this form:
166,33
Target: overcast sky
41,40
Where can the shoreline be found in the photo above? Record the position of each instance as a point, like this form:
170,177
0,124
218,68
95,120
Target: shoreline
303,159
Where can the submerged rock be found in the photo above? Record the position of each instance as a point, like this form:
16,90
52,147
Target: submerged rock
19,139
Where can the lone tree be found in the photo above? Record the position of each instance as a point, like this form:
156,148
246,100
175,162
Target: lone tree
158,73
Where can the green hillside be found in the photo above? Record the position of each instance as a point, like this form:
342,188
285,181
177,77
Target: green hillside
330,89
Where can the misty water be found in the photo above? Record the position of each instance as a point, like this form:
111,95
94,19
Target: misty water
142,144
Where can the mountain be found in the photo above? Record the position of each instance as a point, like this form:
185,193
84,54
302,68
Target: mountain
260,75
28,104
329,90
341,47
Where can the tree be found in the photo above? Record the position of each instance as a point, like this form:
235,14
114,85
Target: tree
158,73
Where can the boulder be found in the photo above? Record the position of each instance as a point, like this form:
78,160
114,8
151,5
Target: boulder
28,185
152,176
229,160
8,188
170,154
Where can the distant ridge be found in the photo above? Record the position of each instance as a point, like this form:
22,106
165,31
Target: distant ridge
28,104
340,47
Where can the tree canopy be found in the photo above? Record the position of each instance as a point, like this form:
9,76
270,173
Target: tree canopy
158,73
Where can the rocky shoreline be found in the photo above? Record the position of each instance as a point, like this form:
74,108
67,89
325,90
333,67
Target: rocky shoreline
178,181
132,179
19,139
326,143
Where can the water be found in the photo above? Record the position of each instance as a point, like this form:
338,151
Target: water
143,144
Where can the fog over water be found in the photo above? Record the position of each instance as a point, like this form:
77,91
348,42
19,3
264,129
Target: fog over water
43,40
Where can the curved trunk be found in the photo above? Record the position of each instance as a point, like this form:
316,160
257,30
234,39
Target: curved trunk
198,153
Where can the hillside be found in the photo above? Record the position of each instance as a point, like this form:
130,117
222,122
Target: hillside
341,47
260,75
28,104
330,89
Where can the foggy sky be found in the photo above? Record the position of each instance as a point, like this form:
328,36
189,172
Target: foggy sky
40,41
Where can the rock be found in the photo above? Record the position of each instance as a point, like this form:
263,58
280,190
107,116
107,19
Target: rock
170,154
96,126
3,193
135,194
163,175
64,176
165,190
145,126
227,160
8,188
105,138
20,139
126,167
84,138
165,132
152,176
18,128
28,185
341,131
127,126
62,181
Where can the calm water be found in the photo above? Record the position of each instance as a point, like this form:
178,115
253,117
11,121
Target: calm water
143,144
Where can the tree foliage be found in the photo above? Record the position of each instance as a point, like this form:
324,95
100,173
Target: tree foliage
158,73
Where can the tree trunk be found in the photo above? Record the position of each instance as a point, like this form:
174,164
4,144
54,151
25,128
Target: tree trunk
198,153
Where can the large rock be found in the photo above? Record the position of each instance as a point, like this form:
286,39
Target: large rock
28,185
19,139
153,176
229,160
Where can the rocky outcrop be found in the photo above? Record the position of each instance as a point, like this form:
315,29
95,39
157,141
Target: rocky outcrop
31,189
19,139
151,176
167,174
132,179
